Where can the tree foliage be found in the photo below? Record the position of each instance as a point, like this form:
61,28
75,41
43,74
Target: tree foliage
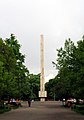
70,64
15,80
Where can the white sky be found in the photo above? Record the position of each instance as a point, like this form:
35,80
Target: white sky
57,20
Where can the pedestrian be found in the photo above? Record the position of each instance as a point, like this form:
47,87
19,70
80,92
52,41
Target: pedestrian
29,102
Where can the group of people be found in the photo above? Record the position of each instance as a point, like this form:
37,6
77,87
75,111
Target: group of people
18,102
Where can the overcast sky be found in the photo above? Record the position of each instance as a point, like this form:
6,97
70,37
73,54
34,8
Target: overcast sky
57,20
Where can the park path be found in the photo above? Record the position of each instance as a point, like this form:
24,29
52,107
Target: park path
42,111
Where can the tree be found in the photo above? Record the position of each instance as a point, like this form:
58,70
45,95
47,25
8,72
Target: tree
70,65
7,60
34,82
64,66
15,80
21,72
78,69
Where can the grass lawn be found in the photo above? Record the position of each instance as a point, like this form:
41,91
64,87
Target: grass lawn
2,110
79,109
6,109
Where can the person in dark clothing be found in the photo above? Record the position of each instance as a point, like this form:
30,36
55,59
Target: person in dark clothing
29,102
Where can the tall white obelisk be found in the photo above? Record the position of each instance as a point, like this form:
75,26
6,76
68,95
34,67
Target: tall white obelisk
42,92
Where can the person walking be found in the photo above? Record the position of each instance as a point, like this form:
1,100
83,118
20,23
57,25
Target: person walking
29,102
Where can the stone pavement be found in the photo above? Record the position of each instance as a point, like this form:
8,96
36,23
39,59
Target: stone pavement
42,111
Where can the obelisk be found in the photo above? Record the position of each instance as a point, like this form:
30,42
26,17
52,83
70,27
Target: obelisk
42,92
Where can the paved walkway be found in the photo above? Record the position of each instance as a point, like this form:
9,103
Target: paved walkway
42,111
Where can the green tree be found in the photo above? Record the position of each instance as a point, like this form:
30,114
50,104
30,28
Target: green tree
78,69
21,72
70,65
15,80
64,67
34,82
7,68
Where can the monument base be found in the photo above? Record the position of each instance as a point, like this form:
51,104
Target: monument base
42,99
42,95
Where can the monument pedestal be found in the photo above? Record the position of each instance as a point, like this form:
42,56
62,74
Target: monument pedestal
42,95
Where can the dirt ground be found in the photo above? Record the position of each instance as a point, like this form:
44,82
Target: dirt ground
49,110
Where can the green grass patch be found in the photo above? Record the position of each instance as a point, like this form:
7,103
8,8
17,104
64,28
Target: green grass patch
15,107
2,110
79,109
7,109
